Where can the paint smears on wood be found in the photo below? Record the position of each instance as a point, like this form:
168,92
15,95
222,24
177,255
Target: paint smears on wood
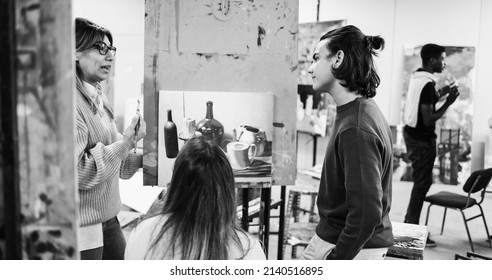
48,192
236,56
207,56
261,35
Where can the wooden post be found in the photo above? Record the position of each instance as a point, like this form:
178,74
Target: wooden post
10,246
45,112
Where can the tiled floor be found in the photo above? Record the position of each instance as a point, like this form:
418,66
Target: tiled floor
454,239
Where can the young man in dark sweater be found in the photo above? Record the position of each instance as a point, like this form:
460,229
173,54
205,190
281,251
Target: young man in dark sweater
354,197
420,117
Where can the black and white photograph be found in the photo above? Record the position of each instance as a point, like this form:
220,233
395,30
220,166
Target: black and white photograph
251,139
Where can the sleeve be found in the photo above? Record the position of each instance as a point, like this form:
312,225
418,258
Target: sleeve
131,164
428,94
99,163
360,154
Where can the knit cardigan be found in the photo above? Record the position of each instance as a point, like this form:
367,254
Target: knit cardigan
103,156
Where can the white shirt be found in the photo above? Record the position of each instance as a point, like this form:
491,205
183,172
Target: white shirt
144,234
90,237
417,82
93,93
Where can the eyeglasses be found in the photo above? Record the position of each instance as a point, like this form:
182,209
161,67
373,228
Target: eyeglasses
103,48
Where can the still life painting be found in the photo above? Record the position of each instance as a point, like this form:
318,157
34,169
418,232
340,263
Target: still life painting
241,123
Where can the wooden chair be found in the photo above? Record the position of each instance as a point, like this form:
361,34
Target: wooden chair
477,182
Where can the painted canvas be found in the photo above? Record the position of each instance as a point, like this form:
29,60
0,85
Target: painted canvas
251,47
460,70
247,129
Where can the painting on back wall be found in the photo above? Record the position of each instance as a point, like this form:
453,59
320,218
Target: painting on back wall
460,70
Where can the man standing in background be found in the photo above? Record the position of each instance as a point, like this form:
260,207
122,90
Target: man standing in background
420,117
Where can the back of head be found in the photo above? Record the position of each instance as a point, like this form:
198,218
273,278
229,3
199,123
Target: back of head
200,201
201,170
429,51
357,71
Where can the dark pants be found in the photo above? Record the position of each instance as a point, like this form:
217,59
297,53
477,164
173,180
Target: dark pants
114,243
422,154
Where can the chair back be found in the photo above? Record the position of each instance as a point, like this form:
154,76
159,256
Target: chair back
478,180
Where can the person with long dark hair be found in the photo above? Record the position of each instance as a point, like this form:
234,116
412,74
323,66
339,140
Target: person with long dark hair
354,197
102,153
198,220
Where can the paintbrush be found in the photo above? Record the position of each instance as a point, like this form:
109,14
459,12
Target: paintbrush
137,127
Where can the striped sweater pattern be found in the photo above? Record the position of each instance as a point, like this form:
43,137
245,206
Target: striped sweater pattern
103,157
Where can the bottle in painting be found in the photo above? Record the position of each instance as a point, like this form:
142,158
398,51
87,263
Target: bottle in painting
210,128
170,136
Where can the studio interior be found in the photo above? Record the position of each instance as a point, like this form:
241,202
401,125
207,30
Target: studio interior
240,69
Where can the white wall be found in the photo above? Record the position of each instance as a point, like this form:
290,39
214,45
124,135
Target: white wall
401,22
125,20
307,10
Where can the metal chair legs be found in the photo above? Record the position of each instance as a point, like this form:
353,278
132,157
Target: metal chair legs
484,223
427,216
486,227
465,220
467,230
444,219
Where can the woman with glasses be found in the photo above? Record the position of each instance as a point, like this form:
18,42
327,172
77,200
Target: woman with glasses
103,154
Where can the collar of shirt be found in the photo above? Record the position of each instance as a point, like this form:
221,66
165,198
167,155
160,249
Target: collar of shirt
93,93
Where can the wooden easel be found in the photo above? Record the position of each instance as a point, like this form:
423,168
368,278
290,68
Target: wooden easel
261,208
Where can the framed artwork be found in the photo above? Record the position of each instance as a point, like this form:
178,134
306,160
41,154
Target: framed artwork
247,125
